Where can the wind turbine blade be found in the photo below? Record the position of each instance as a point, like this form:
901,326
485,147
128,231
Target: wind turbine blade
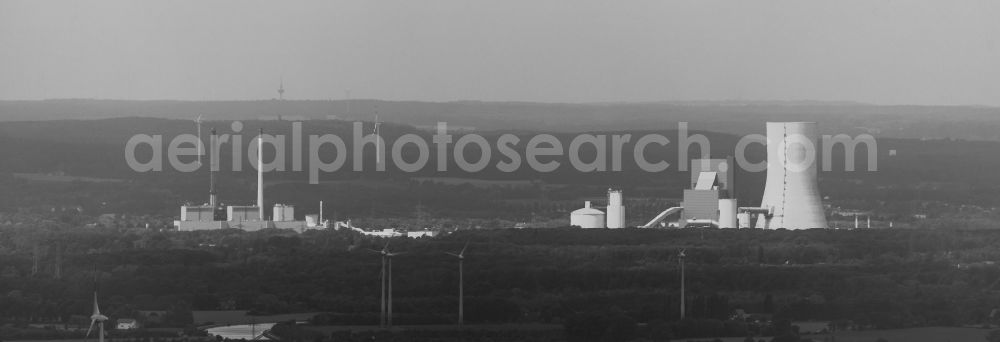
463,248
373,251
97,310
92,321
453,254
395,254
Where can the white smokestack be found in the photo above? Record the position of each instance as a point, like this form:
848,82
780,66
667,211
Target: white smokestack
616,209
213,162
260,173
792,189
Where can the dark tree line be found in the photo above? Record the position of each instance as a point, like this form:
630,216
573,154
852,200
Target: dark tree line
873,278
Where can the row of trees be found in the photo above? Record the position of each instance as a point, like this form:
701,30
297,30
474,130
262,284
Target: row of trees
877,278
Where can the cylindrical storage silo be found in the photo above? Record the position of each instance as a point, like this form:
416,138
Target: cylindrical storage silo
727,213
616,209
743,219
587,217
279,213
792,190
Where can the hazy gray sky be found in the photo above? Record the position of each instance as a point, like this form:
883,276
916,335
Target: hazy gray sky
890,52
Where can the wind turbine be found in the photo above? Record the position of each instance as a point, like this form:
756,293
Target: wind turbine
97,317
461,285
381,315
388,257
281,89
680,259
378,140
385,317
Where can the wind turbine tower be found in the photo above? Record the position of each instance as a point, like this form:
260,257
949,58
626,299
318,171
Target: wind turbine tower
378,140
461,284
381,317
96,317
388,257
385,317
99,319
281,89
680,258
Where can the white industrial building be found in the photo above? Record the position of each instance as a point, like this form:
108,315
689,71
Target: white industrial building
587,217
710,202
616,209
791,197
245,217
590,217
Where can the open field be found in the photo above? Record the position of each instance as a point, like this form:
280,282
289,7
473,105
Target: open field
928,334
327,329
232,317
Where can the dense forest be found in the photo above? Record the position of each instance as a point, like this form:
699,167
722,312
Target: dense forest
862,278
71,211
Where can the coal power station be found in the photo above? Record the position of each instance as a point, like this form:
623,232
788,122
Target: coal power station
213,215
791,198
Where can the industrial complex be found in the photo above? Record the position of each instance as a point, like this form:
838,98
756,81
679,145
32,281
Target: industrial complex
213,215
791,197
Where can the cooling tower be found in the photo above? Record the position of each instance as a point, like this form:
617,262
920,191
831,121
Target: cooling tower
616,209
792,191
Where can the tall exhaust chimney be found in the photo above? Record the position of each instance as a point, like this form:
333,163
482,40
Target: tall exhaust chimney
792,191
213,164
260,173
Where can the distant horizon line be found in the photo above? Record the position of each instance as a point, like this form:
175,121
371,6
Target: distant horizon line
593,103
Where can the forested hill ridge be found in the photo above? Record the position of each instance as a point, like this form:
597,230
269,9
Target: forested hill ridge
933,178
735,117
